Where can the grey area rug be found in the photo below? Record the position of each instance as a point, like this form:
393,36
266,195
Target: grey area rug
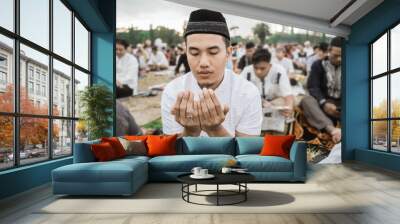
166,198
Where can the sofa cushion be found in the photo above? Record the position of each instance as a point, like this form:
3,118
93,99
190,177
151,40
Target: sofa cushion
83,152
112,171
161,145
206,145
134,147
277,145
257,163
103,152
116,145
249,145
185,163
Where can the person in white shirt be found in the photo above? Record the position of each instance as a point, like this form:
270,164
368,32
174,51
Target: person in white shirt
157,60
127,69
210,100
308,49
272,83
285,62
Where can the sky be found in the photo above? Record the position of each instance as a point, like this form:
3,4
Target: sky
142,13
35,27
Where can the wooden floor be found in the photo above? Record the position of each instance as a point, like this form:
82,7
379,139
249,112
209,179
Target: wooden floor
377,188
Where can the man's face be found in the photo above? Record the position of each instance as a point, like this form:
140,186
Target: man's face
207,56
120,50
250,51
280,54
335,56
261,69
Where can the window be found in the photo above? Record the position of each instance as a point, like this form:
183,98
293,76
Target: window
81,45
44,77
3,77
34,21
7,14
385,97
44,91
6,143
37,74
6,73
39,129
30,87
62,74
37,89
30,73
62,29
62,137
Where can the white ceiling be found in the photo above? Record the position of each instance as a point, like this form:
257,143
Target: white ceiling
321,9
313,15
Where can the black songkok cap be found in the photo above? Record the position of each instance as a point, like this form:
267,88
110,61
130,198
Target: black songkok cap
207,21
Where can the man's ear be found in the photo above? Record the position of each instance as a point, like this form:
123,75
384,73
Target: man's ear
228,51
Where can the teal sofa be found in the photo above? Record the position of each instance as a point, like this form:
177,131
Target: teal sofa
125,176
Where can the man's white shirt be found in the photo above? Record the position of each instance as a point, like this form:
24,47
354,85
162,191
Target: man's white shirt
127,68
158,59
275,85
286,63
242,98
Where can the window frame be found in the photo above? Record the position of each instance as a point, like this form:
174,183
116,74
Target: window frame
16,114
388,74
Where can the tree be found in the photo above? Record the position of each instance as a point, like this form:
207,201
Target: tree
261,30
135,36
33,130
96,102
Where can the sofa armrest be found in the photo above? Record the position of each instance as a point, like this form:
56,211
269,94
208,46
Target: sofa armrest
83,152
298,155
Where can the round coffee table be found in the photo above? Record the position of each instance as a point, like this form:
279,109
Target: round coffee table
238,179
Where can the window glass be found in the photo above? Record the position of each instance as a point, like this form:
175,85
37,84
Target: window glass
34,21
6,142
81,45
7,14
379,135
379,97
379,56
30,58
62,138
62,29
6,74
395,47
33,140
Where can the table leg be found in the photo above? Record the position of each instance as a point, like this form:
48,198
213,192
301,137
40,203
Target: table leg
217,194
188,190
245,193
196,187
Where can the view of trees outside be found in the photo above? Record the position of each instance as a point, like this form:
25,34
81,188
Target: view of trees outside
261,35
379,128
33,131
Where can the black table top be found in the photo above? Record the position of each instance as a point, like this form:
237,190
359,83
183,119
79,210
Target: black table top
220,178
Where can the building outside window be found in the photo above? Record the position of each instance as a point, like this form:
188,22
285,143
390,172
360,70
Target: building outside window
58,125
385,95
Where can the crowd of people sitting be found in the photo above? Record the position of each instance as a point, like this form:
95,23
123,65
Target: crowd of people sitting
300,84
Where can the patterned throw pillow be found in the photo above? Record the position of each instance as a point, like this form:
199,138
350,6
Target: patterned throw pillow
133,147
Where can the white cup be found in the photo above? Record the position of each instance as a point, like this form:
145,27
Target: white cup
226,170
203,172
196,171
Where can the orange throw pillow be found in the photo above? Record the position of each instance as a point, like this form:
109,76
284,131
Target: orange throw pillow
277,145
161,145
103,152
136,137
116,145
